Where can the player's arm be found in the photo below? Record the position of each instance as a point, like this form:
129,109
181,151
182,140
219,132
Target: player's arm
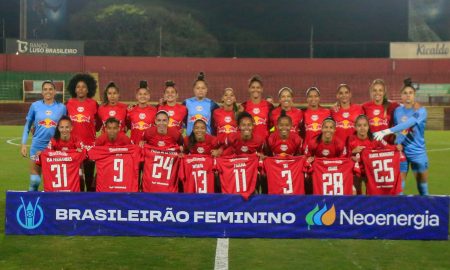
417,117
26,129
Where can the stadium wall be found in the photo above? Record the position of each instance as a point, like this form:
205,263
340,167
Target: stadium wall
298,74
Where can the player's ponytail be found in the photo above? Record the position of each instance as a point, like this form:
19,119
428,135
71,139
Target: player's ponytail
200,78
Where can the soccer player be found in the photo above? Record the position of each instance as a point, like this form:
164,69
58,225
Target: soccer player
199,106
161,136
225,117
379,110
258,107
283,141
63,140
345,113
43,115
356,143
112,108
177,112
246,140
200,142
112,135
82,110
326,144
142,115
410,121
314,115
286,99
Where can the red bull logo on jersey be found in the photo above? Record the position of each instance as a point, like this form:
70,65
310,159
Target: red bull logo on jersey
227,119
227,129
259,120
314,127
376,121
174,123
112,113
345,124
80,118
80,109
283,147
141,125
47,123
321,216
198,116
200,150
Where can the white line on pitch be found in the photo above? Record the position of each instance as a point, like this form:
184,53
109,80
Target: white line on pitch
10,141
438,150
221,261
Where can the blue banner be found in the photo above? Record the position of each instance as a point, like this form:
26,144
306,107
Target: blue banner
219,215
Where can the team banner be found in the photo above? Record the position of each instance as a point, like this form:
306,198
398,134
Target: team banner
221,215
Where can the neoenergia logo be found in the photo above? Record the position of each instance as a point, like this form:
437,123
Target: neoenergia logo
319,217
29,216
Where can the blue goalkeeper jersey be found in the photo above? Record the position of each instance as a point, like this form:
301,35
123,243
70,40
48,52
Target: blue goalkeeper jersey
199,109
44,118
410,129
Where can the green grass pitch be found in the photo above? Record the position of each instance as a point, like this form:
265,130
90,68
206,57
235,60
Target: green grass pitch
59,252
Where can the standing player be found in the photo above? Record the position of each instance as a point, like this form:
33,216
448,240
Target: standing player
112,135
345,113
283,141
380,110
225,117
142,115
245,141
258,107
314,115
43,115
177,112
161,136
82,110
200,142
112,108
410,121
199,106
285,97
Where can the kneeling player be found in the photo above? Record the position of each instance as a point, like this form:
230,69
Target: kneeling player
112,135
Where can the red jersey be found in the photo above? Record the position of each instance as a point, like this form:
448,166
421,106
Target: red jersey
224,123
138,120
345,120
379,118
290,146
60,145
260,113
196,174
61,170
177,114
170,141
317,148
312,122
202,148
238,174
117,168
285,175
236,145
83,115
121,140
118,111
332,176
295,114
160,171
383,172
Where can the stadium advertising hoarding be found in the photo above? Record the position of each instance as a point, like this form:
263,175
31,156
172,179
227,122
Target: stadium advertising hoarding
219,215
45,47
419,50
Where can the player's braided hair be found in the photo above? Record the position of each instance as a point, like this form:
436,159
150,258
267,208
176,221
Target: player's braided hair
88,79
